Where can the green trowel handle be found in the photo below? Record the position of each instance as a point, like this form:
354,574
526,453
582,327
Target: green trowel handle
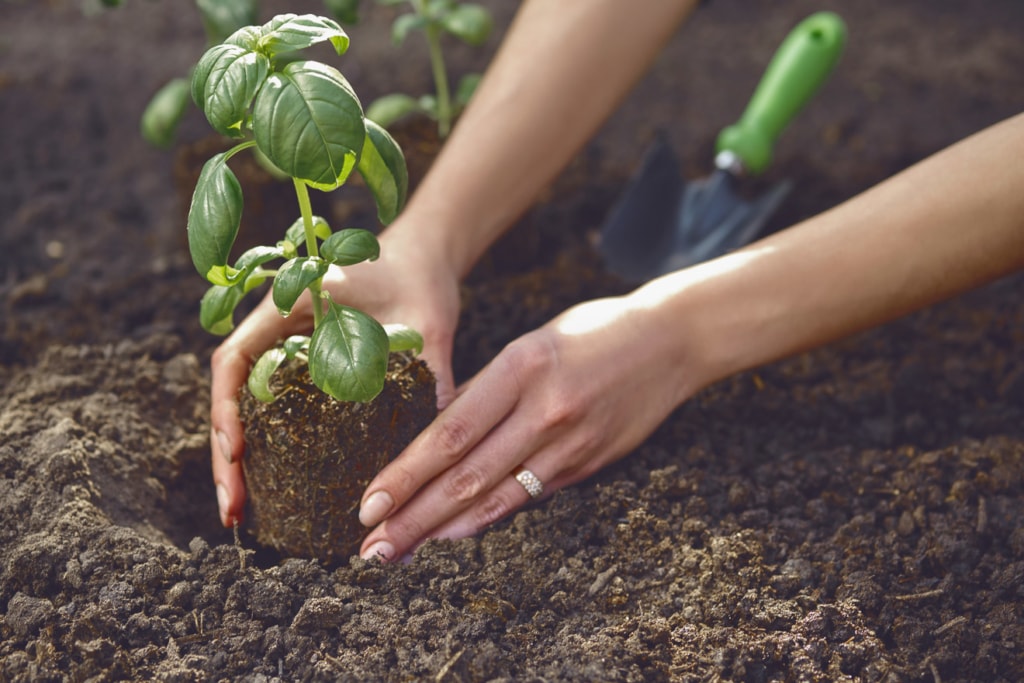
799,67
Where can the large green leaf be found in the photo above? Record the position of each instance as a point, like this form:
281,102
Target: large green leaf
214,216
293,278
348,354
350,246
290,32
382,166
224,84
309,122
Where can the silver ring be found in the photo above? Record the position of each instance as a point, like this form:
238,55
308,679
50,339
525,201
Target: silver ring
529,481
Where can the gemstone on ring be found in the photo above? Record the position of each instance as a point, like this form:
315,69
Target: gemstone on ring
529,481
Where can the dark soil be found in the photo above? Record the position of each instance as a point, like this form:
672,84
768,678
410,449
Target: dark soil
854,513
310,457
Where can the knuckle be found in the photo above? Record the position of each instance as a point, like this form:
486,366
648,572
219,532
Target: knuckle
493,508
530,356
404,529
465,483
453,437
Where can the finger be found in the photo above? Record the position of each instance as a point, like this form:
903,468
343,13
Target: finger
464,485
230,485
504,499
444,442
229,369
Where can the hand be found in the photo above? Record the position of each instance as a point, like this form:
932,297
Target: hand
406,286
562,402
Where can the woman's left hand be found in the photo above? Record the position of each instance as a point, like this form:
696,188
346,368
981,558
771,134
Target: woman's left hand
561,402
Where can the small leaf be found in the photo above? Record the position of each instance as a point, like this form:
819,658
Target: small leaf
404,25
225,276
382,166
262,371
350,246
308,120
221,18
403,338
296,233
163,113
224,84
295,344
290,32
257,256
470,22
467,86
214,215
217,308
390,108
348,354
293,278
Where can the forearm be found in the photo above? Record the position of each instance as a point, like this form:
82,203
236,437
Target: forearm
561,71
951,223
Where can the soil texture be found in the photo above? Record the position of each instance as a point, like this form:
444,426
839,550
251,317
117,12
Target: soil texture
855,513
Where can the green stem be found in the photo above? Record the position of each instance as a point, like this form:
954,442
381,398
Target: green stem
302,191
444,98
238,148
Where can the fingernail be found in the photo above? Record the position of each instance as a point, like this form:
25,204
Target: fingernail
381,550
222,503
224,443
375,508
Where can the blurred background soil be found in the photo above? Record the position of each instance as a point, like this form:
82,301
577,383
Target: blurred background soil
853,513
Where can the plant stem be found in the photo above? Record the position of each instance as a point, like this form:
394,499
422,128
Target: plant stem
302,192
444,98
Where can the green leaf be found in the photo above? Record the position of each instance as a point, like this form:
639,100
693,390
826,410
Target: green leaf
290,32
404,25
163,113
348,354
247,37
467,86
224,84
221,18
345,11
309,122
293,278
403,338
390,108
296,233
350,246
382,166
217,308
262,371
295,344
470,22
214,215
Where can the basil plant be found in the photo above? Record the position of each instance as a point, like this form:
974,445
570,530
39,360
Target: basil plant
304,117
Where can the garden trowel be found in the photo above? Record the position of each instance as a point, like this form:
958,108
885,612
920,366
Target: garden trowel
662,224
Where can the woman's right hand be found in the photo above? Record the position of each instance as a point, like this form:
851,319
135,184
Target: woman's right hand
408,284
